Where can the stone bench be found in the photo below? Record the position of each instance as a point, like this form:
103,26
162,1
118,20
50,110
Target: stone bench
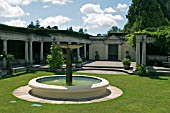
166,64
19,69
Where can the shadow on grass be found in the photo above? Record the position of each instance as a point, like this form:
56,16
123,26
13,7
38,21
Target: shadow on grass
153,76
60,73
157,77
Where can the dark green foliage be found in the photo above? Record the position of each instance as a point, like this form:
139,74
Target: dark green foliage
81,30
37,25
126,61
162,44
70,28
42,32
9,58
127,55
78,60
113,29
97,56
55,27
141,70
31,25
48,27
164,9
144,14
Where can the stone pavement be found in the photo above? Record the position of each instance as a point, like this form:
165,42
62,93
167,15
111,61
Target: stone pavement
106,67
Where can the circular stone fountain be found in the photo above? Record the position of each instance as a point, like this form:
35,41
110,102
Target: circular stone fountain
89,87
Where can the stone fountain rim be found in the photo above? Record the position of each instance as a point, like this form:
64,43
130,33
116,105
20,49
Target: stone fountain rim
34,84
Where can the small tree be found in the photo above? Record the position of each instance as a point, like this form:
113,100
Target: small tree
48,27
37,25
56,60
81,30
9,58
31,25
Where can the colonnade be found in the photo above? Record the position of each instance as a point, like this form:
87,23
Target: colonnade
29,52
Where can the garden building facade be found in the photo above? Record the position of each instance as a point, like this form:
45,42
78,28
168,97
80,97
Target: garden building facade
29,48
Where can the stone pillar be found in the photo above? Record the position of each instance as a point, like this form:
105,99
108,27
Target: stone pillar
138,40
144,50
4,50
91,52
53,43
85,54
41,52
30,53
120,52
106,51
78,52
26,53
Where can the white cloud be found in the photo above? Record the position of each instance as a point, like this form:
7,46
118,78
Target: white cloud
122,7
54,21
26,2
89,9
7,10
96,18
109,10
59,2
18,23
18,2
46,6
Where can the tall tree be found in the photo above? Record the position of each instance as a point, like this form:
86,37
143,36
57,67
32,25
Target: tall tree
31,25
144,14
113,29
37,25
163,5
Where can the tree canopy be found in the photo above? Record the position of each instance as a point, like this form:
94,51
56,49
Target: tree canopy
145,14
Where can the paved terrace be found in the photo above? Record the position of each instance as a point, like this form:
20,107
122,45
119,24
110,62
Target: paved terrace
99,67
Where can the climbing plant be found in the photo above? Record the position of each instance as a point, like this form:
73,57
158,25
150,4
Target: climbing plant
162,36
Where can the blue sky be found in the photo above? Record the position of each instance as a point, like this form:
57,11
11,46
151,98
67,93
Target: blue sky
97,16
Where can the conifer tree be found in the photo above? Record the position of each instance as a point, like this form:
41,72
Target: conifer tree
144,14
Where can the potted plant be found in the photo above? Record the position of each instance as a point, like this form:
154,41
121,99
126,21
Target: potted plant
126,63
97,55
78,62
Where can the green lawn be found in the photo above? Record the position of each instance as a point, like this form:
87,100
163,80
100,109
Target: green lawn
141,95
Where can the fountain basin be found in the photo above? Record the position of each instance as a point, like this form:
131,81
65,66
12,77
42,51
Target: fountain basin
94,90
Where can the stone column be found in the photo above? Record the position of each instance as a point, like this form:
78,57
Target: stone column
30,53
106,51
91,52
85,54
4,50
138,40
144,50
41,52
78,52
120,52
26,53
53,43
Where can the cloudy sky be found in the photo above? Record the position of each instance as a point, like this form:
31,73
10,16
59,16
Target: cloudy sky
97,16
